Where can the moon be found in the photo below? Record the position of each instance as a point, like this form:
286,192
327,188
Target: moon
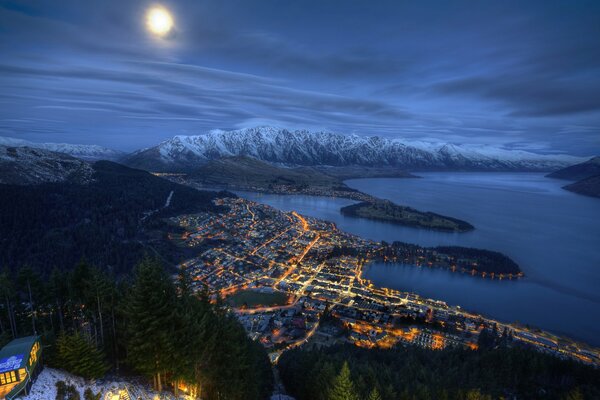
159,21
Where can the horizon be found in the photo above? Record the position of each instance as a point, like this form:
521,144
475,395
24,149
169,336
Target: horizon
511,75
409,142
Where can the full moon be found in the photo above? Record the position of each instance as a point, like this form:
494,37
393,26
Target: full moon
159,21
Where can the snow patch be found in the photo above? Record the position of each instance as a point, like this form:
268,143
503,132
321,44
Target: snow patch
44,388
85,152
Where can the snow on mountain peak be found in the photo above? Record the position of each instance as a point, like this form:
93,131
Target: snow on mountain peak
22,165
82,151
303,147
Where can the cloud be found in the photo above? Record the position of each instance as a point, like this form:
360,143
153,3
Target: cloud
529,96
505,73
207,96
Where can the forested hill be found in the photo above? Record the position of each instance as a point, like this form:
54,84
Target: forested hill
57,224
411,373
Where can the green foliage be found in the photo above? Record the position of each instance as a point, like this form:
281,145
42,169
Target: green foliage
72,393
61,390
66,392
574,394
453,374
147,322
171,331
82,242
342,387
374,395
475,394
216,352
150,313
88,394
80,357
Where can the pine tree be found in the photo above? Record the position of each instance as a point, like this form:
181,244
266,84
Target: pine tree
79,356
57,288
88,394
98,291
191,332
79,279
30,280
7,291
574,394
374,395
343,388
151,312
475,394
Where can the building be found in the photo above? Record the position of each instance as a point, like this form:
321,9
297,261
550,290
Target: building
20,364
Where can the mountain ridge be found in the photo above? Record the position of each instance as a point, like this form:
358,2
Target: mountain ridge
86,152
29,166
589,186
306,148
579,171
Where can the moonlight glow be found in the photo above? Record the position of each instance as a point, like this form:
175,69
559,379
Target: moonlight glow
159,21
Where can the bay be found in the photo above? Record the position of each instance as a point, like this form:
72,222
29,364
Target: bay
553,234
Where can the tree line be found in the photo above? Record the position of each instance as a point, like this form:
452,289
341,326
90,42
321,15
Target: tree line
144,323
463,257
411,373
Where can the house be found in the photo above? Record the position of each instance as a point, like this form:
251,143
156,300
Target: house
20,364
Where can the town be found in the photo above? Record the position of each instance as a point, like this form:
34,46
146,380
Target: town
293,280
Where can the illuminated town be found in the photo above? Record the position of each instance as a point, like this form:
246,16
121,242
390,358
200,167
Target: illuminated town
293,280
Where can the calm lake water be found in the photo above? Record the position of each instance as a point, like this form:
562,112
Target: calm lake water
554,235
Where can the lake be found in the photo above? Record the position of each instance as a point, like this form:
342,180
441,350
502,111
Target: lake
553,234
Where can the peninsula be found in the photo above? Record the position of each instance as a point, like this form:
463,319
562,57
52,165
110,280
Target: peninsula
250,174
384,210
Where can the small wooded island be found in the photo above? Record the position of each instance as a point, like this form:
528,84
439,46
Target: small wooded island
384,210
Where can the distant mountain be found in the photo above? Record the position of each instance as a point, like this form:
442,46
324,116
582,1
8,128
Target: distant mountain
304,148
82,151
578,171
588,186
26,166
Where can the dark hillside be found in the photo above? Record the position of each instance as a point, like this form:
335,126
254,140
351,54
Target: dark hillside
56,224
578,171
588,186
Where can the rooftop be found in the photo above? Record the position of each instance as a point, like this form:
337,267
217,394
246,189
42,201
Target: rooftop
15,354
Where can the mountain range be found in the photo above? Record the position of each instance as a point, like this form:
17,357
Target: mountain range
81,151
304,148
27,166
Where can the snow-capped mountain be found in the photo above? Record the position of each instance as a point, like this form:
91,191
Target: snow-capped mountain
82,151
306,148
27,166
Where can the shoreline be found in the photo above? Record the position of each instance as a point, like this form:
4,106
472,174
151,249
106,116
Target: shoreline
417,219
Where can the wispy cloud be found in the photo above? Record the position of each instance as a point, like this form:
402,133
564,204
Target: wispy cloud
522,75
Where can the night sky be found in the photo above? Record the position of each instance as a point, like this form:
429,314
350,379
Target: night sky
520,74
